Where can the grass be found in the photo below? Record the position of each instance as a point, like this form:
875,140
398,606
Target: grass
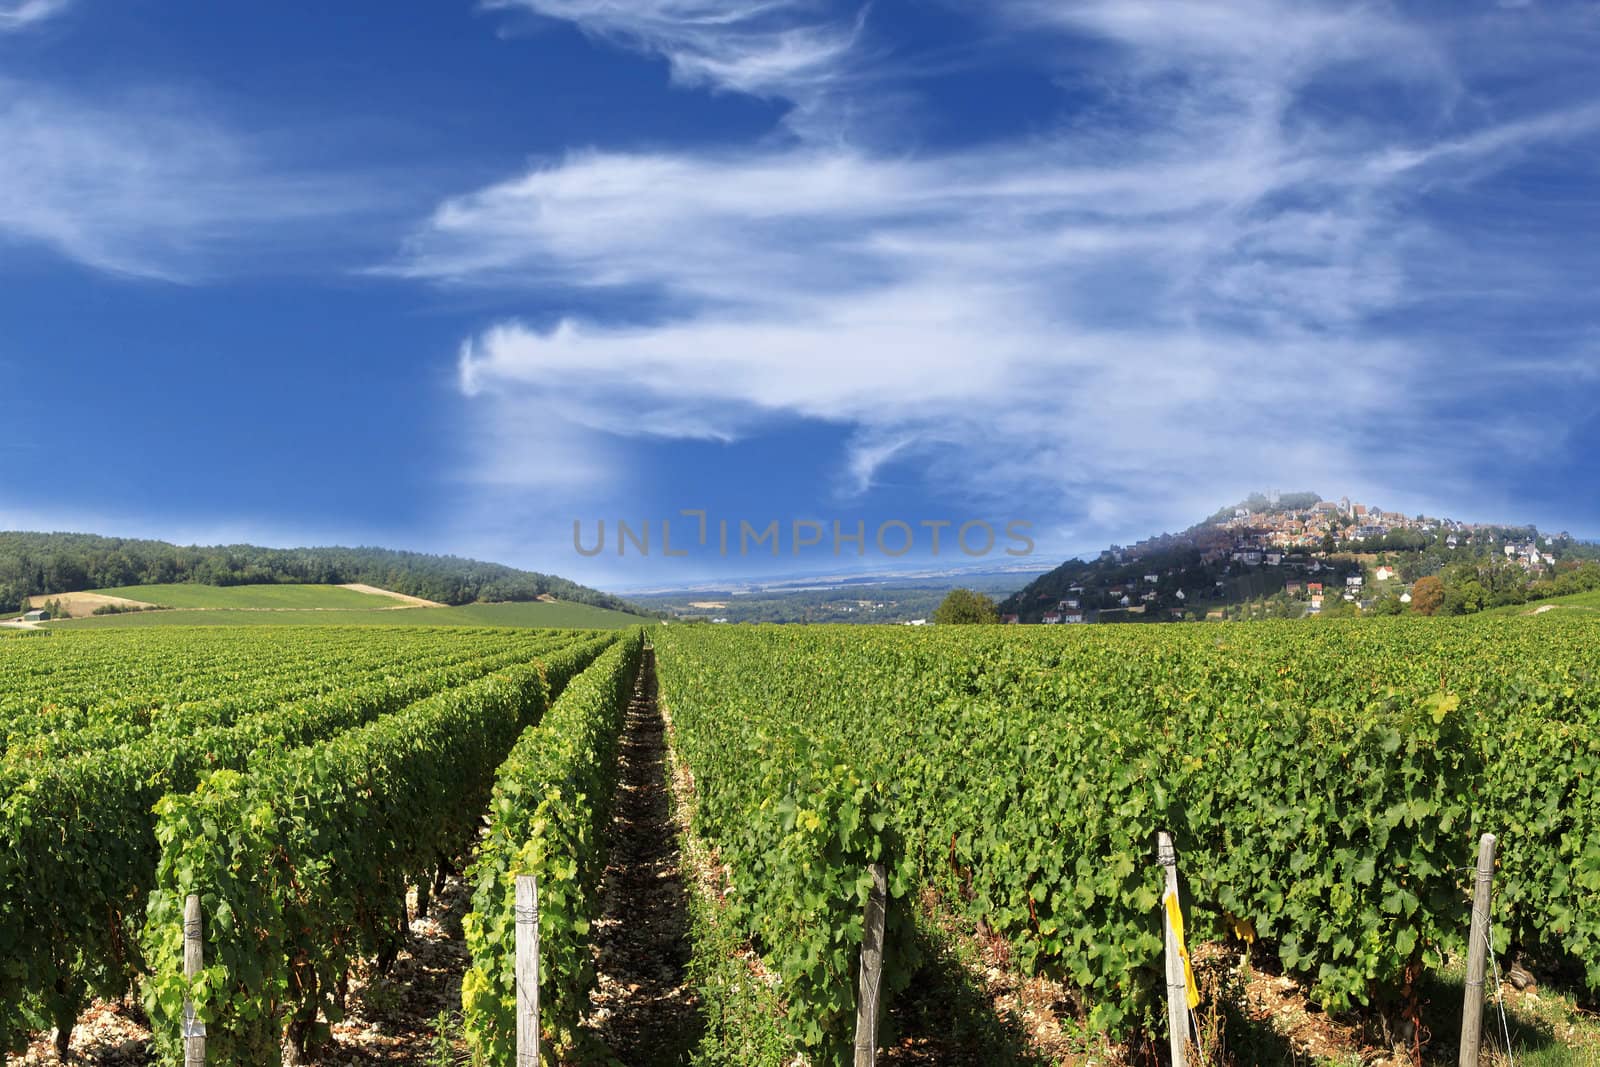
192,595
1559,605
1547,1028
1589,601
533,614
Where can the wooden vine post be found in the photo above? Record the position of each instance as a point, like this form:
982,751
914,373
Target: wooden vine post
1177,979
194,1031
526,911
1477,952
871,969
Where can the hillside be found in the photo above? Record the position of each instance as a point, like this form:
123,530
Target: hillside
274,596
1587,603
33,564
1294,555
536,614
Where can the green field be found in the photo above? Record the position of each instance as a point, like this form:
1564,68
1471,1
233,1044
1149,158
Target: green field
307,597
532,613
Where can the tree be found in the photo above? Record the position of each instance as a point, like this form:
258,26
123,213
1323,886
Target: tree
1465,599
965,606
1427,595
1388,605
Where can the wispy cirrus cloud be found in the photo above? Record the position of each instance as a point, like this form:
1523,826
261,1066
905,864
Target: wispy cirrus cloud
1213,275
798,51
148,186
1267,38
17,14
1492,145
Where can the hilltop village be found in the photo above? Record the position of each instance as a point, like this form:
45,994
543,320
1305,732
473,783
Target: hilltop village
1295,555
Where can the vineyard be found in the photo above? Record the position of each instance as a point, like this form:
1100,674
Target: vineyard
296,779
1324,787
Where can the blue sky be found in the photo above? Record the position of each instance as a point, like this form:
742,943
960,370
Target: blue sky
451,276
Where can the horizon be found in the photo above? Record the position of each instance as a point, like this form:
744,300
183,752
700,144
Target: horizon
869,569
1089,266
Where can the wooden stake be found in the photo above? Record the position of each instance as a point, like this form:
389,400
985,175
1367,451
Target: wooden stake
194,1031
1477,952
527,916
1177,985
871,969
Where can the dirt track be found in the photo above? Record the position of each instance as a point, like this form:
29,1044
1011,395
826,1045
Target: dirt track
643,1007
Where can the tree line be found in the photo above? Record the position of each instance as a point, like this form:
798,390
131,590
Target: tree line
1470,587
36,564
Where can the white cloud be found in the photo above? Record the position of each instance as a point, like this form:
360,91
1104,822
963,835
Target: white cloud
790,50
1263,35
17,14
147,186
1494,144
1162,306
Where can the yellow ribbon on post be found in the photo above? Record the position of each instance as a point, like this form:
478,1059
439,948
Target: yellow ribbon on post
1175,918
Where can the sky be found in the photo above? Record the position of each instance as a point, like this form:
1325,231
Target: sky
475,277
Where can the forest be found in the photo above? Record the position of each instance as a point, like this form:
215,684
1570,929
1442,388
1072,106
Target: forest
41,563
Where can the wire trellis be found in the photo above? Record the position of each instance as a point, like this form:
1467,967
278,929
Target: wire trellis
1499,990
